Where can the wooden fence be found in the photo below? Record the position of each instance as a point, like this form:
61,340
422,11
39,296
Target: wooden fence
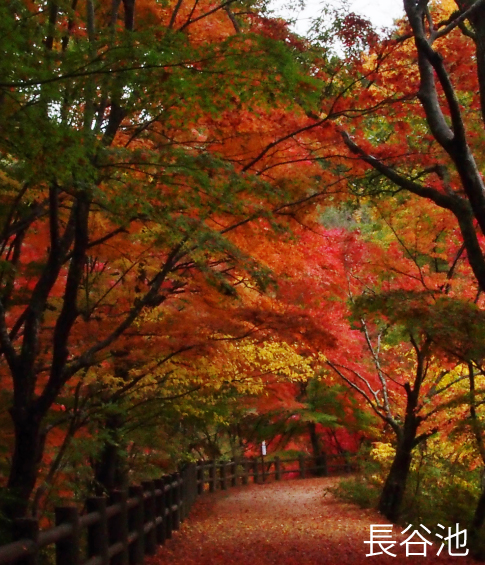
124,527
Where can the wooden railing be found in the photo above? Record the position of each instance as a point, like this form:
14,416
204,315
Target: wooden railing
124,527
222,474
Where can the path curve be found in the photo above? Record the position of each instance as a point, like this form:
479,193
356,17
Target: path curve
283,523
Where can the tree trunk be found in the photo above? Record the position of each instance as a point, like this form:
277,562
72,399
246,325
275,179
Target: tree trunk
393,491
109,468
29,445
318,453
392,494
479,514
475,527
476,21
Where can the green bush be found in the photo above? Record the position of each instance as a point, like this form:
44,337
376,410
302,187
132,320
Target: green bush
357,490
362,489
441,489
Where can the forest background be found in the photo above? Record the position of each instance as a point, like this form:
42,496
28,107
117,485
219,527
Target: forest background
215,232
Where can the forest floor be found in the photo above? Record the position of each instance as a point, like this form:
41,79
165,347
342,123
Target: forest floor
296,522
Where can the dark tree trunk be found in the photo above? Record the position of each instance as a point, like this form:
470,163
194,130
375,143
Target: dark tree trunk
29,446
109,468
318,454
392,494
479,514
475,527
476,21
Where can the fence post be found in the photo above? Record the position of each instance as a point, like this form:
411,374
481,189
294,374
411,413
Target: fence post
118,527
245,477
98,543
235,464
160,507
200,477
301,460
168,506
67,549
136,519
322,467
27,528
347,464
277,468
255,471
185,495
190,486
149,511
194,490
177,500
213,476
224,465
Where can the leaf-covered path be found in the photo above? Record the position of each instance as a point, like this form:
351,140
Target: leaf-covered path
284,523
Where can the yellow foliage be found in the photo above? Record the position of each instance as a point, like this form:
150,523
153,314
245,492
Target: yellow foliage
6,181
383,453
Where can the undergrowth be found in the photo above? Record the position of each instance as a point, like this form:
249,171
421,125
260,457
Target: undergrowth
440,489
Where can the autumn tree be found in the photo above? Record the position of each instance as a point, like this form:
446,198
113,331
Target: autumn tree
122,184
405,316
422,138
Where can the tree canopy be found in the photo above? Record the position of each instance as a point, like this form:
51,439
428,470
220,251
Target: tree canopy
214,231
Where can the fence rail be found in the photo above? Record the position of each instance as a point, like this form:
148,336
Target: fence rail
124,527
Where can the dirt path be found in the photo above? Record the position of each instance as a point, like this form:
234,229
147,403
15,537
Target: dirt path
284,523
